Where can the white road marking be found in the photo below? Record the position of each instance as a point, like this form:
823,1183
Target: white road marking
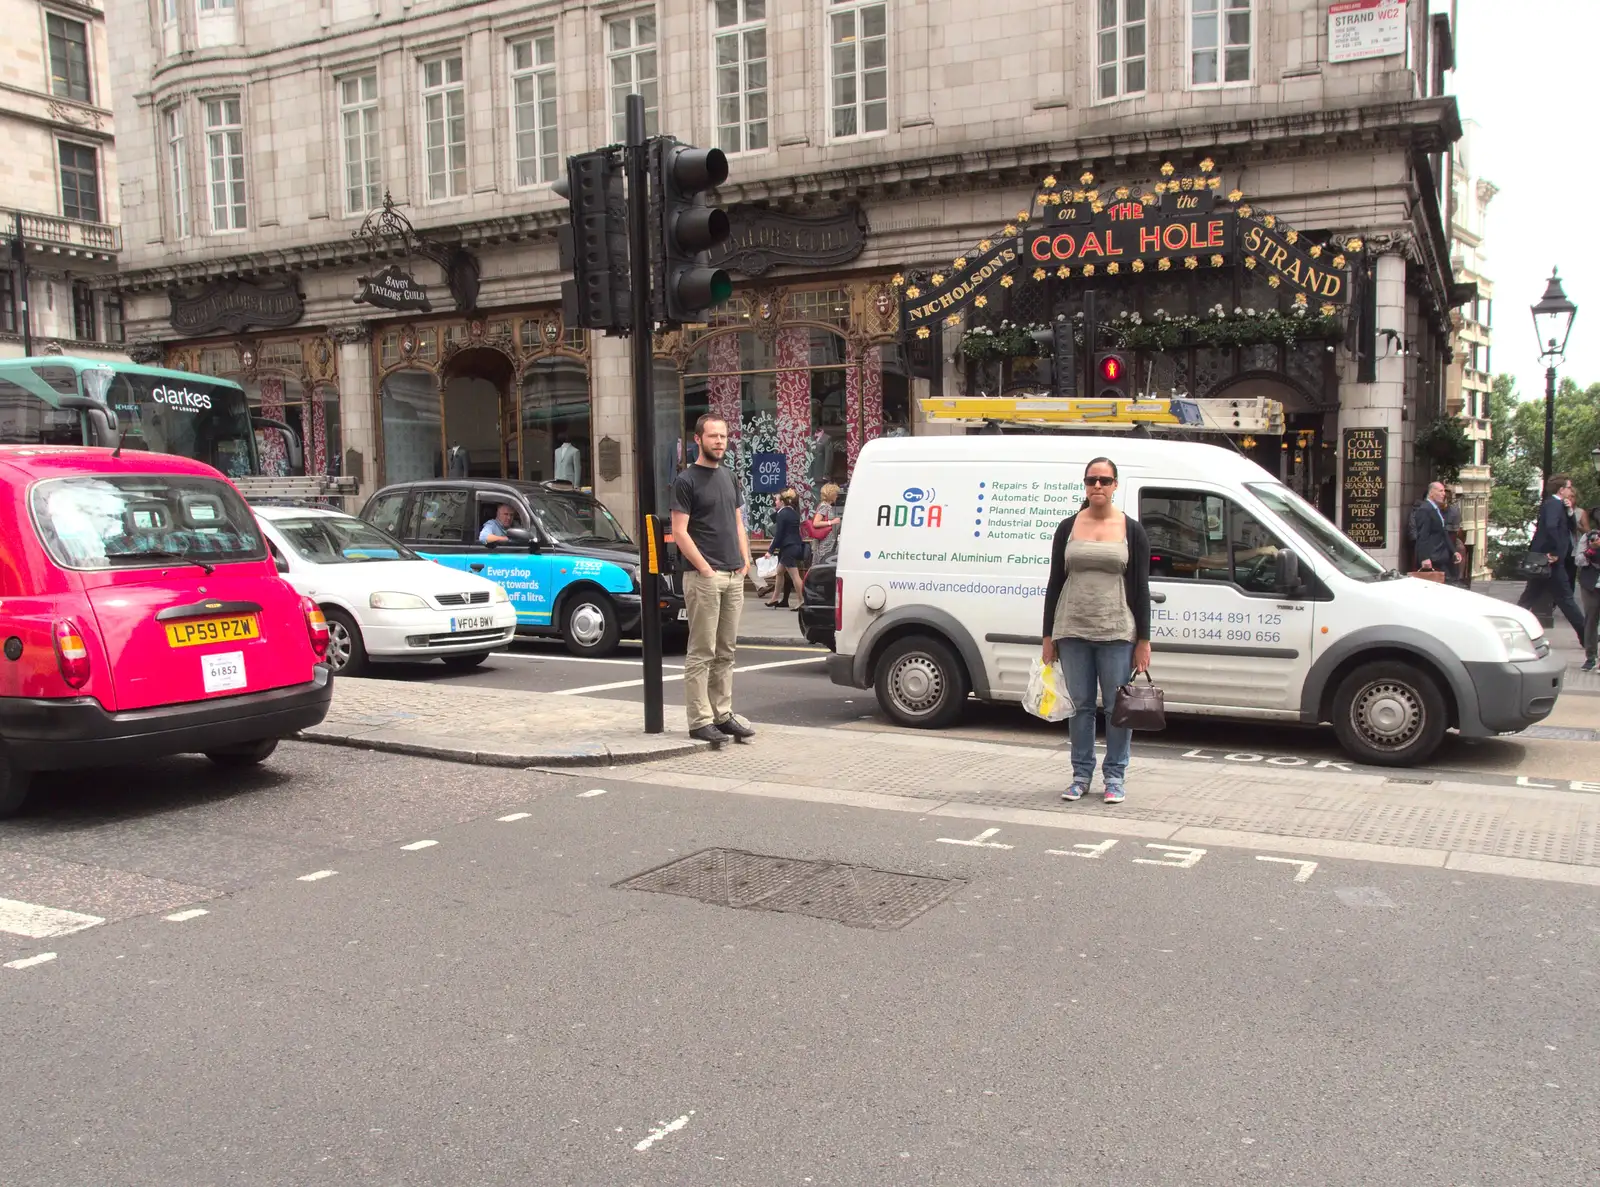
415,845
981,841
573,659
29,962
185,916
1099,850
1307,868
316,877
780,663
515,816
662,1131
1186,858
591,793
41,923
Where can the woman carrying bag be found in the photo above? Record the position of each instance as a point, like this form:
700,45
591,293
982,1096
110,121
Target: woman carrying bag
788,547
1097,620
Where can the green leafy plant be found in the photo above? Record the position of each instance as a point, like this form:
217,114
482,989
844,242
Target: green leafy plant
1445,446
1219,328
1008,340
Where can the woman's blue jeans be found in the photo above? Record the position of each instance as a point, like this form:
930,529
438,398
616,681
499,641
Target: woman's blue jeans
1090,667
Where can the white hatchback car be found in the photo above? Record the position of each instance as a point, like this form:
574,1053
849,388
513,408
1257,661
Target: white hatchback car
383,601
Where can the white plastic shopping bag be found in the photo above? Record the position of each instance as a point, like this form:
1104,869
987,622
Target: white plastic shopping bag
766,567
1047,692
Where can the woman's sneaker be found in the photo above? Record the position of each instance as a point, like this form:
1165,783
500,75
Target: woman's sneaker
1075,792
1114,793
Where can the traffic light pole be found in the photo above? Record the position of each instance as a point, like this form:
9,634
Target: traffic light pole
644,411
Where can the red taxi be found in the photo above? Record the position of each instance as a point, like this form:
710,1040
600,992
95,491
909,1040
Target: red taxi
141,615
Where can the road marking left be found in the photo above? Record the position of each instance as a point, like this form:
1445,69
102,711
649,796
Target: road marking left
662,1131
30,961
41,923
415,845
185,916
981,841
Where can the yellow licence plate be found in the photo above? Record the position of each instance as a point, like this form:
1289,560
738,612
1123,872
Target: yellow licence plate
195,631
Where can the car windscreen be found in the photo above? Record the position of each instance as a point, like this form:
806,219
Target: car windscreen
185,415
143,520
1332,544
340,540
577,519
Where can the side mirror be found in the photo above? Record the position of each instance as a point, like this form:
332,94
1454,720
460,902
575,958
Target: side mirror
1288,572
519,536
282,563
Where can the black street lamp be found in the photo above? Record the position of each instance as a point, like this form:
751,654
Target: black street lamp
1552,323
1594,460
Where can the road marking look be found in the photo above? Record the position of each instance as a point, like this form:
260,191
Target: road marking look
415,845
30,961
591,793
663,1130
41,923
318,876
514,817
185,916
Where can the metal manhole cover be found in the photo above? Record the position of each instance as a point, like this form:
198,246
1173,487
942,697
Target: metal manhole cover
1401,779
858,896
1561,733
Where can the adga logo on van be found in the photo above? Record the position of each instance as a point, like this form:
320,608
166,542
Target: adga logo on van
915,510
180,397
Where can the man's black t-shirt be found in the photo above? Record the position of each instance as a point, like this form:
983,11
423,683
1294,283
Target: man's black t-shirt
710,498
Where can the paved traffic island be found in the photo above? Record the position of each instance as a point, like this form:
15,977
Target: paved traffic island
492,727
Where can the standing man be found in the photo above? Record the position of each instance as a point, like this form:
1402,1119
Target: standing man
1430,539
709,531
1452,529
1552,535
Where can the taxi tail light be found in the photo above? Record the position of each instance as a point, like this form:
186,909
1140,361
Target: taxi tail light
838,604
316,627
72,656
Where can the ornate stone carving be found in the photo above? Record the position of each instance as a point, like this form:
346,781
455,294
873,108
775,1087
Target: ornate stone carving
349,333
147,352
71,113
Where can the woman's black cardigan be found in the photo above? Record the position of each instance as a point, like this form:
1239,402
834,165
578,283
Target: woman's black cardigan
1136,581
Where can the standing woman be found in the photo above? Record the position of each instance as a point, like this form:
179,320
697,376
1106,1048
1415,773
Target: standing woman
1097,620
788,547
825,547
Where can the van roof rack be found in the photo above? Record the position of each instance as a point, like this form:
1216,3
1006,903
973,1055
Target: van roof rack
1258,415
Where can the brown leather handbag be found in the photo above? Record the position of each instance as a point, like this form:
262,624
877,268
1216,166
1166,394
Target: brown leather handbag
1139,706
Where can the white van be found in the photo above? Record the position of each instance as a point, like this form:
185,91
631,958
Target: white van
1260,607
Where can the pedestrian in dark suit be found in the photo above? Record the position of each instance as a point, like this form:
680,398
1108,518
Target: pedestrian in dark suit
1430,539
1552,535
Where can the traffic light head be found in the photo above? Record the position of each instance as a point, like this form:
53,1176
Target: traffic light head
1111,376
594,243
684,285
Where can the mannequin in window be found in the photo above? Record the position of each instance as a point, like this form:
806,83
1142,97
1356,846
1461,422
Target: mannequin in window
457,462
569,463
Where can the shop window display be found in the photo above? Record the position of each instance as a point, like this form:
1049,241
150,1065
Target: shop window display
411,427
555,424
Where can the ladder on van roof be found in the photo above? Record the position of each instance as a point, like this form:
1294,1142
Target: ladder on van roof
303,488
1258,415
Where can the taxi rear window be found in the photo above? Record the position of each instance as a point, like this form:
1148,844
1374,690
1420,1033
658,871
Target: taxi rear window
137,521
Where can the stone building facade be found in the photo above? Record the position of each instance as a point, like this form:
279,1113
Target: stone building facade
58,189
866,138
1471,376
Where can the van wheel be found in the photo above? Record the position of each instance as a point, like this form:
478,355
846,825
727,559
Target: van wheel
13,789
921,683
1389,714
589,626
347,654
246,754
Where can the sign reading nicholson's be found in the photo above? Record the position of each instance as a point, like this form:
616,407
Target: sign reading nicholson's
1175,225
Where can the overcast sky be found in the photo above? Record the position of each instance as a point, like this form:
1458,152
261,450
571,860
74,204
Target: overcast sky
1526,71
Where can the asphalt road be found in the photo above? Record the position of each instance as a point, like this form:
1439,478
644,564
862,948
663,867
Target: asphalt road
491,1009
790,686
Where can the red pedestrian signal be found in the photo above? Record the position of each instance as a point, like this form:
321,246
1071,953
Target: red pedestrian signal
1111,374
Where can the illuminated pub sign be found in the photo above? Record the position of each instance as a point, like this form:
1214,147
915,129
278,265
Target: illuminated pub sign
1176,224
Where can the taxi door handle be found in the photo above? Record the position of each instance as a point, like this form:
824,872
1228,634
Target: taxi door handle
479,569
1158,598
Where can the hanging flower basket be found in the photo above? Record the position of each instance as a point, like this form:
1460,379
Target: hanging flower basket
1217,328
1445,446
1008,340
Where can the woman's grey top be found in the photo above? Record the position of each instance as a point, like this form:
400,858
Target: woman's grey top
826,550
1094,605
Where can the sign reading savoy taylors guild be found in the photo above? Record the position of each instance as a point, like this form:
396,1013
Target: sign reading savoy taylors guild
1175,225
1365,456
392,289
235,305
761,239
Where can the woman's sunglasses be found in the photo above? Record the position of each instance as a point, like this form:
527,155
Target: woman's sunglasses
1099,480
